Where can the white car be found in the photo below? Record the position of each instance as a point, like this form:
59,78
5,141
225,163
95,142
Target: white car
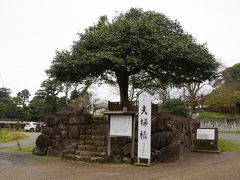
31,126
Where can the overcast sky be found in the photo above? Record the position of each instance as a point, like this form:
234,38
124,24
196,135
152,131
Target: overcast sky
31,31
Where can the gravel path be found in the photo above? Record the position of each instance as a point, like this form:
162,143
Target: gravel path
29,141
17,158
196,166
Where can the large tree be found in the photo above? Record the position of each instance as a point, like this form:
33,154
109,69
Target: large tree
146,45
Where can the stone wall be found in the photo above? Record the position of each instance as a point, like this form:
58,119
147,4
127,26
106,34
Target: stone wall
221,124
74,136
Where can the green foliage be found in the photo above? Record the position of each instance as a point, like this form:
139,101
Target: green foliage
223,100
175,106
17,126
23,97
4,94
44,158
216,115
99,117
22,150
146,45
231,77
13,107
226,145
37,108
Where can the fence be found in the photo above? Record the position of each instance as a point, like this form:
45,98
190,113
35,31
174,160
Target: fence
130,106
221,124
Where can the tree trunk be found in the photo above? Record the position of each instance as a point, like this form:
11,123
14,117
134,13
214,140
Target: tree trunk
123,81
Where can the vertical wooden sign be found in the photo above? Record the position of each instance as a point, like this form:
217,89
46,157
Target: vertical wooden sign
144,126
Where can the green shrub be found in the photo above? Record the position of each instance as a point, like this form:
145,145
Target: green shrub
100,117
17,125
175,106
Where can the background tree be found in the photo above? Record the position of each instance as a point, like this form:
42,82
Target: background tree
5,94
49,91
146,44
221,100
230,78
23,97
174,106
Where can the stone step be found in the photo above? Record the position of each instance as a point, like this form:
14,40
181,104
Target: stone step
96,126
94,132
98,146
93,137
85,158
90,153
87,147
101,145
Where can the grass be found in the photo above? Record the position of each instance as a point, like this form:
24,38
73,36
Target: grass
7,136
23,149
44,158
215,115
226,145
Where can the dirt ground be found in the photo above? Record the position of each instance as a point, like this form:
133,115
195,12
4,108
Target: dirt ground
195,166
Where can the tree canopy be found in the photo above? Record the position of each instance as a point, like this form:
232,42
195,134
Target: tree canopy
145,45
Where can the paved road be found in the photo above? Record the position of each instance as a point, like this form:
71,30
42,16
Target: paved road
230,136
29,141
14,158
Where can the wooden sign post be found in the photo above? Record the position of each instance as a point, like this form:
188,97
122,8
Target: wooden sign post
121,124
144,127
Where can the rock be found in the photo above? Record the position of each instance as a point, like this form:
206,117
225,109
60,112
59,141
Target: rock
126,159
116,149
39,151
62,126
51,120
162,139
160,122
97,159
73,121
55,132
68,144
46,130
169,153
53,152
43,141
117,159
74,131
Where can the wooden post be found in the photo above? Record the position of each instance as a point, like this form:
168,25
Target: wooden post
133,139
109,139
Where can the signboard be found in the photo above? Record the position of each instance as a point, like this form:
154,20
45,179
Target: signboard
144,126
206,140
121,125
206,134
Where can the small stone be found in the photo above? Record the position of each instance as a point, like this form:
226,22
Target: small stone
126,159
